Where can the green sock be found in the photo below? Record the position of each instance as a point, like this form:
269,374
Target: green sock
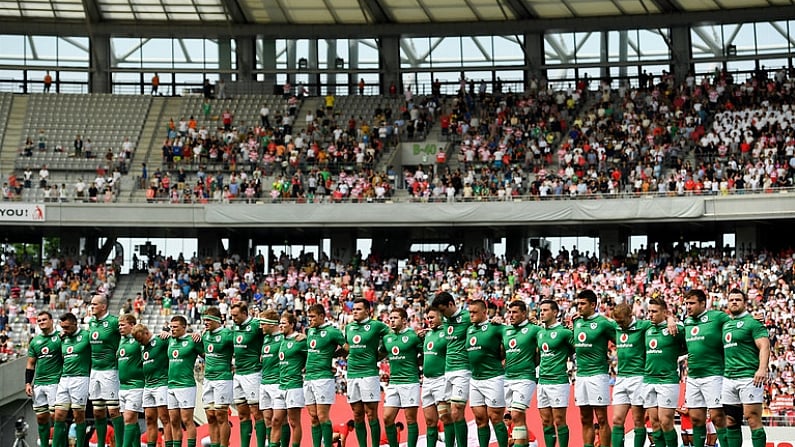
413,431
215,445
327,432
659,438
431,436
391,435
484,433
59,434
154,444
501,431
587,445
44,435
267,435
262,437
285,439
549,436
317,435
118,429
296,444
245,433
80,431
375,432
617,436
273,444
101,427
734,436
449,435
563,435
722,439
361,433
758,437
129,436
671,439
699,435
191,442
461,433
640,438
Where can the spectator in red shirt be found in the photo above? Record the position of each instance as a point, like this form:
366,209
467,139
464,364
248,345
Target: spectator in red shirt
340,433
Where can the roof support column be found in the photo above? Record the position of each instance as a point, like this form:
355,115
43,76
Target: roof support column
269,63
225,58
292,60
100,76
353,64
533,57
331,67
314,68
246,59
681,52
389,61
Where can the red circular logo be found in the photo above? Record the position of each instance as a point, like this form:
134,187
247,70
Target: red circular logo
694,331
653,343
430,345
312,344
281,356
624,338
210,348
395,350
473,341
70,350
582,337
512,343
545,347
146,356
357,339
267,349
45,350
122,352
728,337
239,339
95,335
449,330
175,353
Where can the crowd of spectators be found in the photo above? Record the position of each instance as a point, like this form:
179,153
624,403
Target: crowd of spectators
186,286
62,284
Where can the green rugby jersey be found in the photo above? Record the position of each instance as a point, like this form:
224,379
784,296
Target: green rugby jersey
292,359
46,349
270,358
662,352
155,359
131,369
322,342
739,343
631,348
555,346
456,329
248,345
434,353
484,344
704,337
181,361
521,348
591,338
105,339
76,352
364,339
219,347
403,350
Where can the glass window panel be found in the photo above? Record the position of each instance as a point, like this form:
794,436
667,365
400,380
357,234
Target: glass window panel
12,49
420,82
508,50
158,53
368,53
322,54
770,38
476,51
44,51
741,70
557,46
447,53
414,52
706,41
613,43
743,38
587,48
653,45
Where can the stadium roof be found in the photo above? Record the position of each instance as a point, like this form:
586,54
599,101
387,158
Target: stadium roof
161,14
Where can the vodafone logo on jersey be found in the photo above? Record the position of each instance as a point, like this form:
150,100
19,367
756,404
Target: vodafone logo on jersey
728,337
545,347
175,353
582,337
146,356
239,339
623,338
429,346
395,350
653,344
694,331
512,343
357,339
210,348
473,341
312,344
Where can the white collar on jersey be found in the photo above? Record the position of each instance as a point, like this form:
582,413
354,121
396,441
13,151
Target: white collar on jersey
734,317
553,325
